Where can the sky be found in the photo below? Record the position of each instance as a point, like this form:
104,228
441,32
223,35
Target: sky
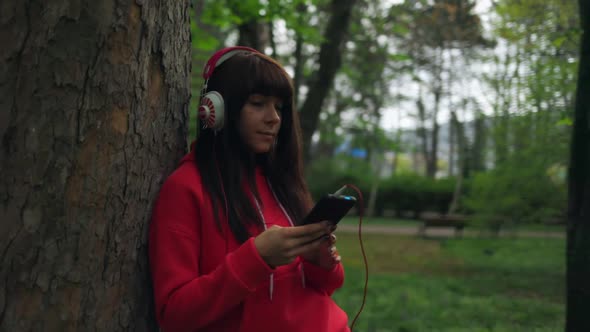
401,115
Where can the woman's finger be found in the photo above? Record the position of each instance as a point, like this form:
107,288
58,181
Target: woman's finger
334,251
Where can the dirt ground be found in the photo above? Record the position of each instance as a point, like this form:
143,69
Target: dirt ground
442,231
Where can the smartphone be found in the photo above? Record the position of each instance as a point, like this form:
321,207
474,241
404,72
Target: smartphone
330,207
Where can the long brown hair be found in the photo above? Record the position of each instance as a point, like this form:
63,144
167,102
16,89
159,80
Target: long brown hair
224,160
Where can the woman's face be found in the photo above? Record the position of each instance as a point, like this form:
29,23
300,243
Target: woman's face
260,121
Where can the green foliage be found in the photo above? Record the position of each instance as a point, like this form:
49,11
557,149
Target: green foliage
470,284
402,192
326,175
415,193
516,193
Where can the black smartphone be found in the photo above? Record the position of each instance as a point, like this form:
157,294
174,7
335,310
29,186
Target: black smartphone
330,207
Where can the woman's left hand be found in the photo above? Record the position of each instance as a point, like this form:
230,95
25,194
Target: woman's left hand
326,255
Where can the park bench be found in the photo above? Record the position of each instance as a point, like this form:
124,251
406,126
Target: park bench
430,219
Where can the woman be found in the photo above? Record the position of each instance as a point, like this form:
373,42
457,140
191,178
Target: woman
226,253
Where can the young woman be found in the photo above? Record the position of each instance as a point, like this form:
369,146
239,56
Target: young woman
226,251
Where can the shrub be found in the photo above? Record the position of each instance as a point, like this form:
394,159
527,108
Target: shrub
406,192
325,176
416,194
515,195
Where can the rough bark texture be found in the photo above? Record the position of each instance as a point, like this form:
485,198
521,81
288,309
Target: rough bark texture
578,235
459,130
432,157
254,34
92,119
329,63
298,55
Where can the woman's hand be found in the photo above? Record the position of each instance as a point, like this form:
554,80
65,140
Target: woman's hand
326,255
281,245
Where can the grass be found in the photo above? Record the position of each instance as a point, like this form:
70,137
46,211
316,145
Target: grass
469,284
353,220
384,221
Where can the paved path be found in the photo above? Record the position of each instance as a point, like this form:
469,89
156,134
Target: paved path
441,231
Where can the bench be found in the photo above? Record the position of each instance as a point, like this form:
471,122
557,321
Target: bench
430,219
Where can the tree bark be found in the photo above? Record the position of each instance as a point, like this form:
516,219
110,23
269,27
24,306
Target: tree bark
432,160
477,151
578,234
299,57
461,140
92,119
253,34
422,131
329,63
451,169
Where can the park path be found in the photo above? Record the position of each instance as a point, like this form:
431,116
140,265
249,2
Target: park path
440,231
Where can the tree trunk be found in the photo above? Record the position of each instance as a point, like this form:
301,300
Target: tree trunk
451,169
92,120
578,234
422,131
478,150
461,140
254,34
432,160
299,57
329,63
271,39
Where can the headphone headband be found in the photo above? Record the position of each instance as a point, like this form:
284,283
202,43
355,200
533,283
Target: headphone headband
211,108
220,56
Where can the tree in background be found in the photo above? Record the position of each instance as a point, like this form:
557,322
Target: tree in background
534,79
92,120
329,62
533,82
436,31
578,234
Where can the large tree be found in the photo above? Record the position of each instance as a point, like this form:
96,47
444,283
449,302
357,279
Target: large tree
578,235
330,60
92,119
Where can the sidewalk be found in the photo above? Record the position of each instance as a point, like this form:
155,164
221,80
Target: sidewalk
441,231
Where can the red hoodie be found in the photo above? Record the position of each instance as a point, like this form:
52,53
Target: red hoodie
204,280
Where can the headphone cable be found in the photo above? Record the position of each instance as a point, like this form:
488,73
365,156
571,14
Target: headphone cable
361,206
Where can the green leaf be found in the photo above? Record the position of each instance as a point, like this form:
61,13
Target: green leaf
559,41
567,121
399,57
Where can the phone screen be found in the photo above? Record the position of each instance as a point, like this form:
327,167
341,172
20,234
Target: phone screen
331,207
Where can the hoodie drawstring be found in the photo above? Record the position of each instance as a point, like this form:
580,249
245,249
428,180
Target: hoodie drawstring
271,282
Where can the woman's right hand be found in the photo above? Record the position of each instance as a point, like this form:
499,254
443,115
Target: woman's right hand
281,245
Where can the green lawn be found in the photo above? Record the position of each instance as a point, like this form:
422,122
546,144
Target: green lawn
353,220
469,284
380,221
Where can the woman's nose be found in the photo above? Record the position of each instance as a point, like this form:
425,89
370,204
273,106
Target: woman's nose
273,114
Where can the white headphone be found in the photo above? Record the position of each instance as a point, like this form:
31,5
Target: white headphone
211,108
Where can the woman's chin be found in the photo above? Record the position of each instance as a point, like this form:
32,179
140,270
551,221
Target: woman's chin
261,149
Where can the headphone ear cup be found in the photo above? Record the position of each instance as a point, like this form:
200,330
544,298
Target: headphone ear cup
211,110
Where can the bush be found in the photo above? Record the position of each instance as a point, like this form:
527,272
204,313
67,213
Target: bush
416,194
403,192
512,194
325,176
